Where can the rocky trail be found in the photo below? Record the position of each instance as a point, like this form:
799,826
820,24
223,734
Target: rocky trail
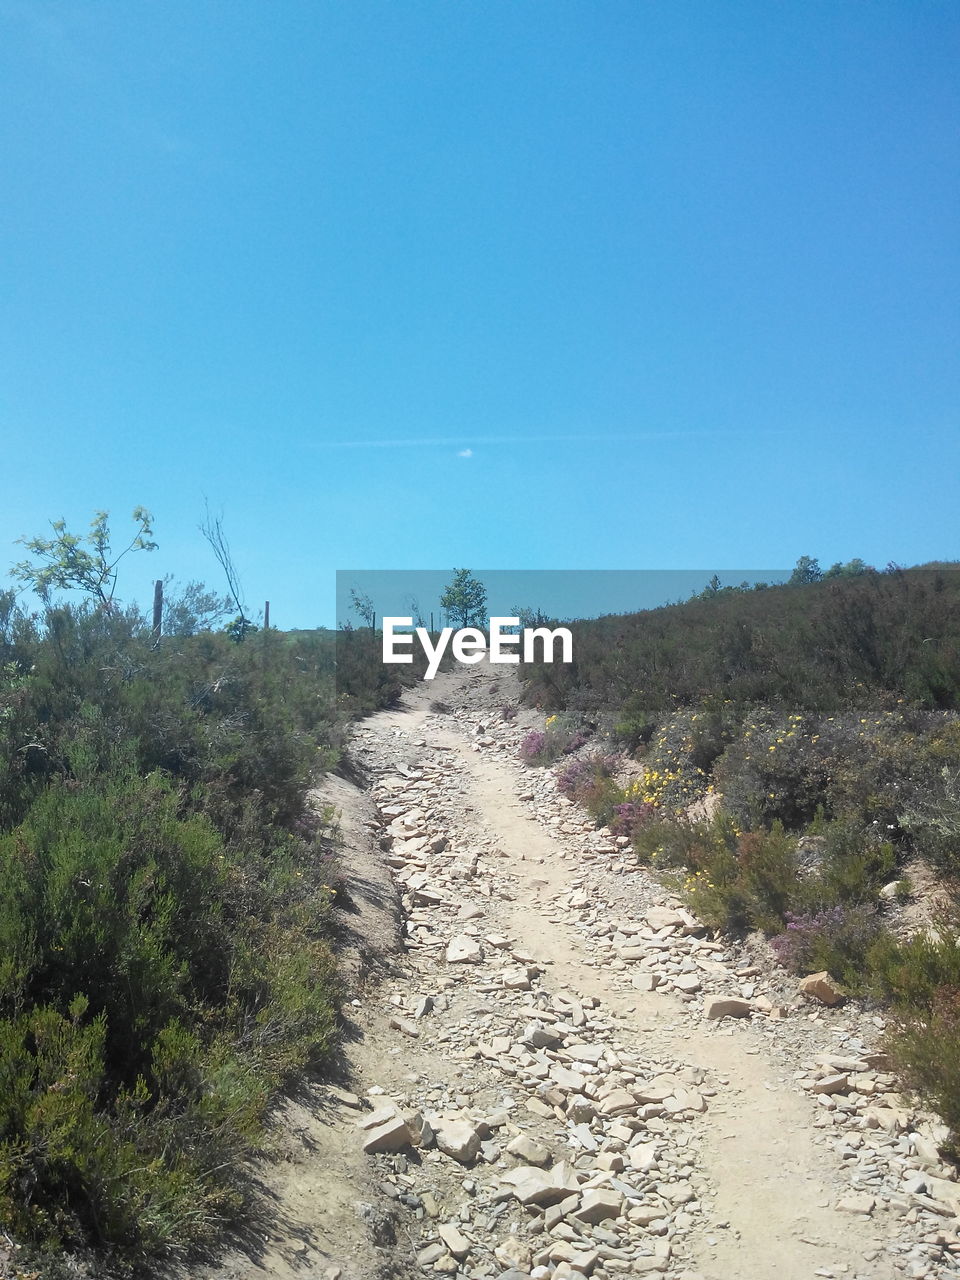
557,1072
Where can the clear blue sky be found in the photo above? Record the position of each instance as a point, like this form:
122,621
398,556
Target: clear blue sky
682,277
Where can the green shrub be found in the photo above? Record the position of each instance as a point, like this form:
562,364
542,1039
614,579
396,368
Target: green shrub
910,972
926,1051
739,881
157,987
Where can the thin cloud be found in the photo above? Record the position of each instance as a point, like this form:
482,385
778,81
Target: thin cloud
465,453
423,442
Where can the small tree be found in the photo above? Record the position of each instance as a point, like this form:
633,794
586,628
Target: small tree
363,607
212,529
807,570
68,562
413,604
465,600
852,569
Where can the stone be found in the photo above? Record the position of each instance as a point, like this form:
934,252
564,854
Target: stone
567,1079
454,1239
581,1134
642,1157
727,1007
344,1097
462,949
514,1253
431,1254
617,1103
584,1260
644,1214
889,1119
457,1139
822,987
528,1151
580,1110
664,918
420,1128
945,1192
688,983
857,1202
925,1150
831,1084
598,1204
541,1187
540,1037
677,1192
390,1135
583,1052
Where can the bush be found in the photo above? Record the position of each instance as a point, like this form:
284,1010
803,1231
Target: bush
157,987
674,774
910,973
533,747
590,781
740,880
838,940
165,902
926,1051
933,821
631,815
558,737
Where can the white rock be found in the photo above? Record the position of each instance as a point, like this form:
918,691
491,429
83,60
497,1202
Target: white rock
539,1186
457,1139
462,949
598,1203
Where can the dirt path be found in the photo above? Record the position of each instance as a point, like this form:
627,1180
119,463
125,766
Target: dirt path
565,1032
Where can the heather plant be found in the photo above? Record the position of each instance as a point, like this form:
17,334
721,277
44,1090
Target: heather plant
814,649
559,736
667,843
909,972
635,727
591,781
738,880
865,763
601,796
838,940
574,776
774,772
855,862
630,815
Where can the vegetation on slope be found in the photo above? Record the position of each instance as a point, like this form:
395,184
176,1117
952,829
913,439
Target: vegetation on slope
789,750
166,890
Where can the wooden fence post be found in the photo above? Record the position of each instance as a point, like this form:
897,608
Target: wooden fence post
157,610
